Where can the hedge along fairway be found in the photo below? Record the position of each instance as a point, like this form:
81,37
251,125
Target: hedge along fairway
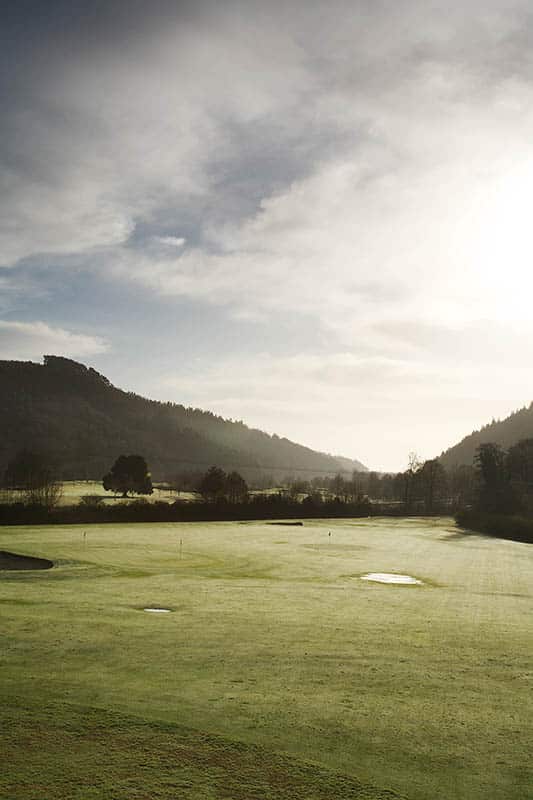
275,649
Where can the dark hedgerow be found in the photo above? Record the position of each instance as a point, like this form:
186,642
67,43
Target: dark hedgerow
271,507
502,526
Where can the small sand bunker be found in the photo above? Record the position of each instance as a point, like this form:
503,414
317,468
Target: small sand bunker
15,561
158,610
390,577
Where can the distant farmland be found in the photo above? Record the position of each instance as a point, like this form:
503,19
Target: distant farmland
74,491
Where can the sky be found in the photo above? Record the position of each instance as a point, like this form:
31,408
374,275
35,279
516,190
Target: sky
312,216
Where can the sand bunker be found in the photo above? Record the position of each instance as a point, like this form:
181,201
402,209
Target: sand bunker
157,610
15,561
390,577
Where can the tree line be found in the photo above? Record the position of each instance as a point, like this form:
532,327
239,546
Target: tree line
503,504
498,482
505,478
423,487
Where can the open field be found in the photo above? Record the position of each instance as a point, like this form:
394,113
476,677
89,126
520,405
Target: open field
279,674
73,491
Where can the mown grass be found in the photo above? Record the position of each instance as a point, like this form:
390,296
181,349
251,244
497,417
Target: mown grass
275,647
83,753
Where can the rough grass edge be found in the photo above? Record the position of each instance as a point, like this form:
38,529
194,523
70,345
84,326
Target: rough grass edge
270,771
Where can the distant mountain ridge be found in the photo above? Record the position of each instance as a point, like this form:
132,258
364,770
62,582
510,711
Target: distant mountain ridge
83,422
505,432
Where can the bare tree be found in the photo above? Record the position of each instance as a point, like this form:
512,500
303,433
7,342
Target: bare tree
47,495
31,474
236,488
413,466
433,483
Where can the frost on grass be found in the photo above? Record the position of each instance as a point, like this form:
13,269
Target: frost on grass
390,577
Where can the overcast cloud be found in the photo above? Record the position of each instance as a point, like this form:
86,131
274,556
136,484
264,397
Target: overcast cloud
332,199
22,341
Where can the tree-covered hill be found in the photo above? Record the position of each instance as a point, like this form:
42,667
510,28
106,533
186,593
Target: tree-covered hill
505,432
82,423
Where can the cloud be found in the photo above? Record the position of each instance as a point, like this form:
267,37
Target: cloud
366,167
171,241
92,149
314,151
30,340
354,149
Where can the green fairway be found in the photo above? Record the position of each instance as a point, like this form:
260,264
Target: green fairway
278,674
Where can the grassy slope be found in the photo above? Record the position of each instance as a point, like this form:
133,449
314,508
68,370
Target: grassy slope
77,753
273,644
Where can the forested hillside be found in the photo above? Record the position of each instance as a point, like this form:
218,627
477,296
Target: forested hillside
506,432
82,423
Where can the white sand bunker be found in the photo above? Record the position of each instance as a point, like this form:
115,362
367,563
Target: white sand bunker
390,577
157,610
